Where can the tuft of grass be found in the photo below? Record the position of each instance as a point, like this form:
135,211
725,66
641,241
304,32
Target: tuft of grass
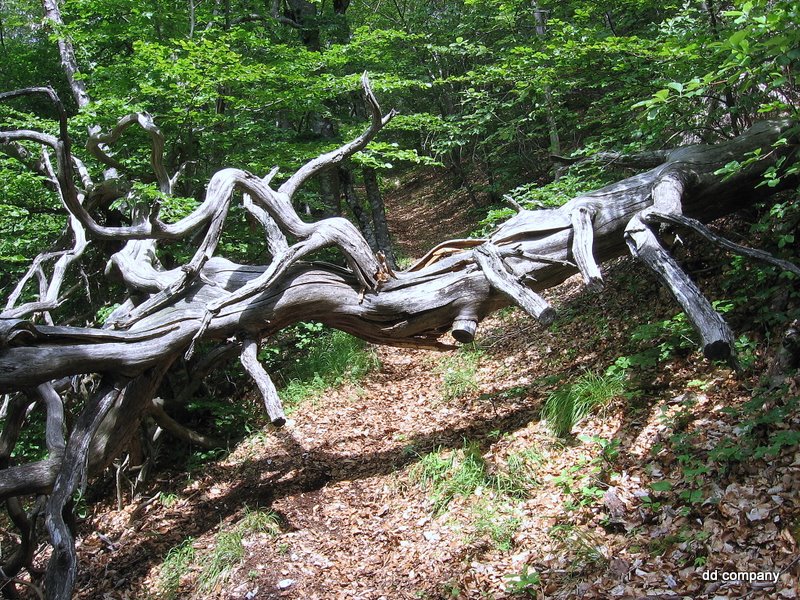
581,545
228,552
498,525
521,472
228,548
176,564
332,357
459,373
462,472
259,521
569,404
168,500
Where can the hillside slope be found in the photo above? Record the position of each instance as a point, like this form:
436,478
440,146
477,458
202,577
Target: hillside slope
436,477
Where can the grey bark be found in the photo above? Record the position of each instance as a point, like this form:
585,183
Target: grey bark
356,207
383,239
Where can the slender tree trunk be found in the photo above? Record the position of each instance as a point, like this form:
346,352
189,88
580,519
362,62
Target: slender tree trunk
375,198
552,125
69,63
356,207
330,192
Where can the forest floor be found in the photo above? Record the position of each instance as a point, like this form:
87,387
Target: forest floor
435,477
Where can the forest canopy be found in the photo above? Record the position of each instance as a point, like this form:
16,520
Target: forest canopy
179,182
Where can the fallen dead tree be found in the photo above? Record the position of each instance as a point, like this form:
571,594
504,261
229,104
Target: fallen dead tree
168,314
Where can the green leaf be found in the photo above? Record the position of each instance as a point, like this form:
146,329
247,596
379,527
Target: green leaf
662,95
661,486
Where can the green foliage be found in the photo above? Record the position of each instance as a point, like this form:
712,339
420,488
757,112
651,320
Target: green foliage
460,473
327,358
532,196
229,417
31,444
743,56
459,373
496,524
227,553
176,564
228,549
199,459
765,428
524,583
668,336
580,543
567,405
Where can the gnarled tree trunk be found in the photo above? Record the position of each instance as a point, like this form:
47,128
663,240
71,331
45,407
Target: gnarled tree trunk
452,288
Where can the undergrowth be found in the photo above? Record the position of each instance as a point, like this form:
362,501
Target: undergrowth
175,566
215,567
567,405
462,472
328,358
460,373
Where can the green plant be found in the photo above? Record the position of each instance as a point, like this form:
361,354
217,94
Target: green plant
534,195
227,553
259,521
496,524
462,472
459,373
764,425
458,473
228,548
521,471
609,449
452,590
176,564
523,582
167,500
671,335
330,357
199,459
581,545
585,481
30,445
567,405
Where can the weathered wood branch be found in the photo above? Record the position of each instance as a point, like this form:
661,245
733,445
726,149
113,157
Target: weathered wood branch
582,248
49,296
62,568
52,14
415,309
96,141
653,216
504,280
167,423
717,336
334,157
269,394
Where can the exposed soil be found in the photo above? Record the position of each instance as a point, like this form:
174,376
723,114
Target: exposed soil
356,520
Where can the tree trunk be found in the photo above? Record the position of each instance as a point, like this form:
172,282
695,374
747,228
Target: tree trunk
539,248
356,207
382,238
